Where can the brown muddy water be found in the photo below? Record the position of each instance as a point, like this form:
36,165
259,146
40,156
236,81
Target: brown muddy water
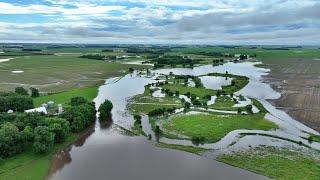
108,152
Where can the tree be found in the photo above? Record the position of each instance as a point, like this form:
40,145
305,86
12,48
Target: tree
75,101
10,140
187,105
177,93
60,127
218,93
43,139
21,91
34,92
249,109
105,109
131,70
27,134
137,118
80,116
19,102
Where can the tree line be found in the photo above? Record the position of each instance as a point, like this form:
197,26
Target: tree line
21,131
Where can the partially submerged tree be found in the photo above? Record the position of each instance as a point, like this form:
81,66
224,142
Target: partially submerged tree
105,109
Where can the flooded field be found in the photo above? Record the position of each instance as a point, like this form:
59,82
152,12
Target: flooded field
108,151
298,81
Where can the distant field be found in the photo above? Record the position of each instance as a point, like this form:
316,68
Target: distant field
64,97
57,73
260,52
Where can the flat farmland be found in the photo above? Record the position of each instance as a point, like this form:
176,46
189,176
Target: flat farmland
57,73
298,80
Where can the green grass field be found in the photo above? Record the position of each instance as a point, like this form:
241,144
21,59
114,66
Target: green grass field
275,163
146,103
57,73
64,97
214,127
28,165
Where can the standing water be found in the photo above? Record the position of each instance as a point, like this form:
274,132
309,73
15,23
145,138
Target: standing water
108,152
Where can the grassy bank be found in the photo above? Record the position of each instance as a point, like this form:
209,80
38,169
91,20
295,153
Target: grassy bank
28,165
275,163
190,149
214,127
64,97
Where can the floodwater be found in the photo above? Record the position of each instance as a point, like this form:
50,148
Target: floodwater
108,152
215,82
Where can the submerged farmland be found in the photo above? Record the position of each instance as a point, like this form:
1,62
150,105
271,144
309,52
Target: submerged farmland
185,109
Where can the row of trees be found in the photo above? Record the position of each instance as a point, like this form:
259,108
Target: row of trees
99,57
161,111
23,91
15,102
173,61
19,100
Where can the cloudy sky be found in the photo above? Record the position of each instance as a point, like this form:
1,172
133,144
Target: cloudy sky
287,22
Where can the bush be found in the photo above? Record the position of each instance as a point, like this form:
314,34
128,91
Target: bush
197,139
43,139
105,110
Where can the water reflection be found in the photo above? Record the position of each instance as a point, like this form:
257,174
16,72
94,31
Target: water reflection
109,152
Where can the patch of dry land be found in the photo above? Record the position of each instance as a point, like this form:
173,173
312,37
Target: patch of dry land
298,81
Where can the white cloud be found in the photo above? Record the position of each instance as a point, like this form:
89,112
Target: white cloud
173,21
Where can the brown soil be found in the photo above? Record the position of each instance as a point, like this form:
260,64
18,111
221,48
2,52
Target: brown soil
298,80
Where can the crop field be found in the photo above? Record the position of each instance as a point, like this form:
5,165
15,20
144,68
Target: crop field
298,80
57,73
